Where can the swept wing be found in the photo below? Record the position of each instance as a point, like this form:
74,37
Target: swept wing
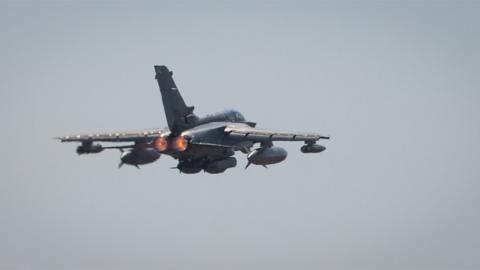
137,136
246,132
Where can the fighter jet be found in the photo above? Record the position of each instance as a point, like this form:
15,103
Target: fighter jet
198,143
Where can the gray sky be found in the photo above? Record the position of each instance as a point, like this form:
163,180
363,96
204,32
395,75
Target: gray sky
395,84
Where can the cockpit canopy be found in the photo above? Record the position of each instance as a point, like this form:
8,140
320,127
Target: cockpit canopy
227,115
234,116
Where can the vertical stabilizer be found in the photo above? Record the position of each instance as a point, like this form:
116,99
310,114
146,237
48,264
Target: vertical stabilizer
178,114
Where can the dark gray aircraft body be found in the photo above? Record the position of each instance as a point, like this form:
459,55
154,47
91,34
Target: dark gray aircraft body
206,143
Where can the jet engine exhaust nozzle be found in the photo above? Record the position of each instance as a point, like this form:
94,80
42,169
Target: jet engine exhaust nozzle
180,143
160,144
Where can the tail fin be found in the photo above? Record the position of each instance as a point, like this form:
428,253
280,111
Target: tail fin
178,114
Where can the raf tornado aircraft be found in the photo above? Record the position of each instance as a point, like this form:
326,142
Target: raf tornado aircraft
198,143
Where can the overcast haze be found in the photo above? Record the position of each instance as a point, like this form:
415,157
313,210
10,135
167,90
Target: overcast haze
396,85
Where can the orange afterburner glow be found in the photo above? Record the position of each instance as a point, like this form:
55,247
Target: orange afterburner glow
160,144
180,144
